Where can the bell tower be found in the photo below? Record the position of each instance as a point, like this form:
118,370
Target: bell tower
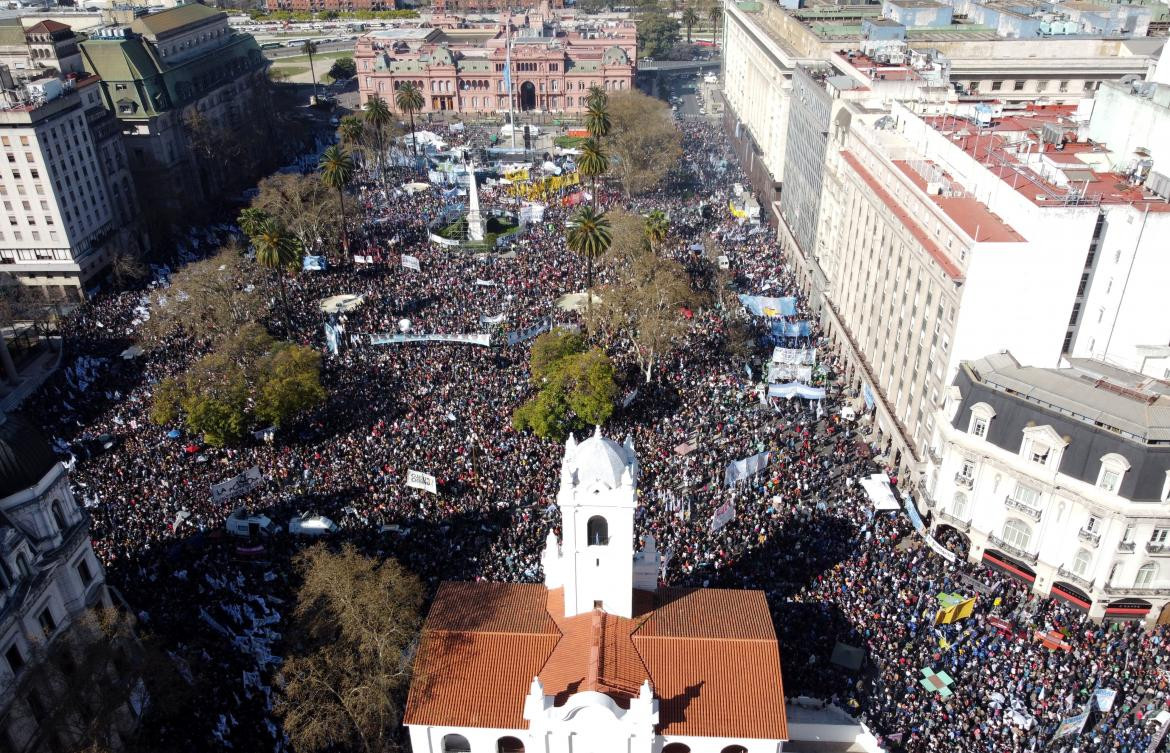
595,561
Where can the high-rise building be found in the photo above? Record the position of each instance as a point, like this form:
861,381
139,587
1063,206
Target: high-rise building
65,190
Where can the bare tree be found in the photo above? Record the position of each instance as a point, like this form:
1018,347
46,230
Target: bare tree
348,667
304,205
644,138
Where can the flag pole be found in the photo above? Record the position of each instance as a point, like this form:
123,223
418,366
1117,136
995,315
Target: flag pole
508,78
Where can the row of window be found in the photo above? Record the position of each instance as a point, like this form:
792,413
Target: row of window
1020,85
459,744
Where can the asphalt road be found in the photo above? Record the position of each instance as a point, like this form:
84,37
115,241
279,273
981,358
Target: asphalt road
286,52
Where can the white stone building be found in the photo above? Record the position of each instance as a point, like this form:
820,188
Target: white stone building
1059,477
598,658
48,575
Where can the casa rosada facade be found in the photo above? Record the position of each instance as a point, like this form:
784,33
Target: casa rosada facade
462,70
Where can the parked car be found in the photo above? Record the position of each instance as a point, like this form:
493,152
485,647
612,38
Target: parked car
241,524
311,525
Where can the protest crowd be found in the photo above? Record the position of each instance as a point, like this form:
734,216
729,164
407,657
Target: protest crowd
834,569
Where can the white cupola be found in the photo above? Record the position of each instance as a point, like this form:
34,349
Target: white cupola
598,494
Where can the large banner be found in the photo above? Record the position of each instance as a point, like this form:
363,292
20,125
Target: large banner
795,356
313,263
1103,698
531,213
493,319
1072,725
420,480
523,335
738,470
242,484
791,329
760,305
411,262
795,389
469,339
724,515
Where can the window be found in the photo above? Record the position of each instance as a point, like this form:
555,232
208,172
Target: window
14,658
1018,86
734,749
84,572
597,531
979,427
1093,524
1113,468
48,624
1027,494
1063,87
1081,562
1017,533
1159,535
996,85
22,565
1038,453
967,469
959,505
1145,575
456,744
58,516
509,745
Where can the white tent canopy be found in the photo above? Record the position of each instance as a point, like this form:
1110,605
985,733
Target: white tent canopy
877,488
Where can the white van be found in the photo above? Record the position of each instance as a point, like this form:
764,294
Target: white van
246,526
311,525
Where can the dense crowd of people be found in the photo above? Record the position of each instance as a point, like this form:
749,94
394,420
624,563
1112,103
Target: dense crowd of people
835,571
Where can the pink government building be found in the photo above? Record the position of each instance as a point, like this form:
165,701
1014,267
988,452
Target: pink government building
459,67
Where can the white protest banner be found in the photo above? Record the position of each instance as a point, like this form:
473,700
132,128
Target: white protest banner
544,325
724,515
630,398
234,487
738,470
938,548
484,283
411,262
1103,698
492,319
1072,725
363,259
420,480
469,339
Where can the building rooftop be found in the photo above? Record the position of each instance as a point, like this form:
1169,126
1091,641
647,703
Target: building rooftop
483,643
1124,402
977,221
166,21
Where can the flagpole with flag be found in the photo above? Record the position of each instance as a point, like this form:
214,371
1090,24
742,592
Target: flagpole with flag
508,78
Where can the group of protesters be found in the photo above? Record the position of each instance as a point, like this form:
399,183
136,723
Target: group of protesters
801,528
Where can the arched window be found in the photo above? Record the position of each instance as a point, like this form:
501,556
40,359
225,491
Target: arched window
1017,533
981,415
959,506
1145,575
58,516
676,748
597,531
22,565
734,749
1081,562
456,744
509,745
1113,468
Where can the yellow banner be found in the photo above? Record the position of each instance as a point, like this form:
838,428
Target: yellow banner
542,188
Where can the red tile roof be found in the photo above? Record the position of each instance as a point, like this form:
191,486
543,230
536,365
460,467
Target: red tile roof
47,27
711,656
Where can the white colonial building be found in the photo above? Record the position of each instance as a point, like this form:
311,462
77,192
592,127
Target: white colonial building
599,658
1059,477
48,576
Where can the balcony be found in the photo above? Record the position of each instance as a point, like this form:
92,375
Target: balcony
935,455
1089,537
1013,550
1023,507
1072,577
1134,591
1125,546
966,482
951,520
1157,547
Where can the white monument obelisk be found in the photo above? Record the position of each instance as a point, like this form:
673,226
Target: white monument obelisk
474,218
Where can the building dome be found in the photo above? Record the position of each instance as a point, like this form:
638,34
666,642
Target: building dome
615,56
25,455
598,460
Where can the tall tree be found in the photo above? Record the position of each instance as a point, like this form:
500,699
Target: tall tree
336,172
350,640
278,251
689,19
657,226
309,48
575,387
645,140
250,220
589,238
597,96
592,163
714,16
351,132
304,205
597,119
409,100
378,119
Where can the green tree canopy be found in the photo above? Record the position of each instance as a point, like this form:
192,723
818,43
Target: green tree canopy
576,387
249,381
657,34
343,68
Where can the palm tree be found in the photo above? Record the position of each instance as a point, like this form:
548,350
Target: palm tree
336,172
597,96
409,100
277,250
657,226
308,48
588,237
351,132
378,119
689,19
592,163
597,120
250,220
714,15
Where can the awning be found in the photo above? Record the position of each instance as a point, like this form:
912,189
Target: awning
877,488
1072,595
999,561
1127,609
